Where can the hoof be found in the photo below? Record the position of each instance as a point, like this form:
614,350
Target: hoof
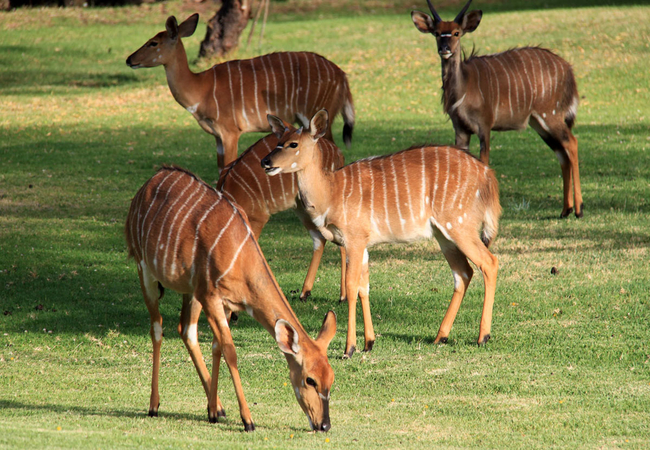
153,413
214,419
581,213
249,427
442,340
343,300
484,340
566,213
369,346
305,295
349,353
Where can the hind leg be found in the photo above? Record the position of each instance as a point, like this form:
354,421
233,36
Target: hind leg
462,272
152,292
559,138
474,249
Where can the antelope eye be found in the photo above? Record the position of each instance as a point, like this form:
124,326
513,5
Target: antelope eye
310,381
153,44
456,33
294,145
436,34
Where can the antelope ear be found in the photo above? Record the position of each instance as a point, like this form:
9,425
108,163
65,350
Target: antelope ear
278,127
287,337
172,28
423,22
327,330
471,21
188,27
318,124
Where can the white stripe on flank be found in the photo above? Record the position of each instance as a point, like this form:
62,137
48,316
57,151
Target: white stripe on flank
293,82
458,103
358,165
196,236
232,95
408,188
284,79
372,191
216,241
214,91
234,259
541,74
386,215
343,199
266,81
241,89
399,209
245,187
306,110
513,70
530,85
509,89
275,86
155,196
496,101
181,226
153,219
436,165
444,189
171,225
256,94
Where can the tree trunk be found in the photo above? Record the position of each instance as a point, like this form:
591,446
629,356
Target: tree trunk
224,28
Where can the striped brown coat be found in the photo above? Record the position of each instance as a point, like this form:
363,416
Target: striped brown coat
420,193
186,236
260,196
507,91
234,97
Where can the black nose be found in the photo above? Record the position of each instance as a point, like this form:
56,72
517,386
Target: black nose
128,61
266,163
325,426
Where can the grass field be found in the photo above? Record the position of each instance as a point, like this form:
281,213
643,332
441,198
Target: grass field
568,365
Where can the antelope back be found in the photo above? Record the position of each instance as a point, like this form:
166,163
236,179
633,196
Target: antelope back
260,195
393,197
292,85
187,234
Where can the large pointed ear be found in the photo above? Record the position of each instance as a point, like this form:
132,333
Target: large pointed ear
471,20
327,330
188,27
422,21
278,126
287,337
318,124
172,27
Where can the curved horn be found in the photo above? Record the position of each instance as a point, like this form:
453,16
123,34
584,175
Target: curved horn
459,17
433,11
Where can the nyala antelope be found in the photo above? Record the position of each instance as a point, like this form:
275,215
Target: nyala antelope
506,91
419,193
186,236
234,97
260,196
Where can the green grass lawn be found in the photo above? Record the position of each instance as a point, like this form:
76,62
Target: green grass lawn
569,360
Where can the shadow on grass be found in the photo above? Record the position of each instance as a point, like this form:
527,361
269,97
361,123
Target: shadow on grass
228,424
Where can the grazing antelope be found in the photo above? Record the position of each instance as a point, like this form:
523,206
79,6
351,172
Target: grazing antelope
424,192
186,236
506,91
234,97
260,196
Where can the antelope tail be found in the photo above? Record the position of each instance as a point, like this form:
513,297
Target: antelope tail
490,198
348,115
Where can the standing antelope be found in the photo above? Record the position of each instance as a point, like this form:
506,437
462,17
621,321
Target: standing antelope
506,91
431,191
260,196
186,236
234,97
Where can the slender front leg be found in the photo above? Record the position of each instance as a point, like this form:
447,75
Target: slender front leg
230,142
364,292
352,278
319,247
220,153
219,323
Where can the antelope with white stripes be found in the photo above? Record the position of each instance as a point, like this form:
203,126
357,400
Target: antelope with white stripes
234,97
419,193
506,91
260,196
186,236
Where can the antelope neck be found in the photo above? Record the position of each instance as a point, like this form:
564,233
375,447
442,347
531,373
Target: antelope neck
181,80
314,184
453,78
